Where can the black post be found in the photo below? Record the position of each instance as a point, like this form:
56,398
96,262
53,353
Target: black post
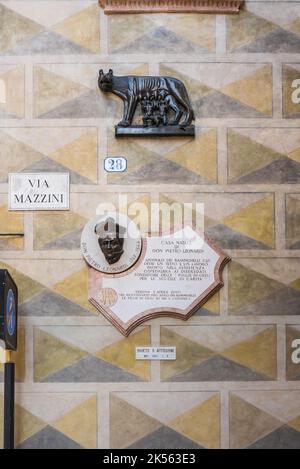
9,405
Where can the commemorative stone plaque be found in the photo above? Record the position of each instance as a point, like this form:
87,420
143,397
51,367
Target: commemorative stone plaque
132,280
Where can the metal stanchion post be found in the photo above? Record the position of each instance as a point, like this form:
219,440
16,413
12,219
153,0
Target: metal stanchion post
9,402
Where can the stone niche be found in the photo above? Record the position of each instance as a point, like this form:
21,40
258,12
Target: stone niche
171,6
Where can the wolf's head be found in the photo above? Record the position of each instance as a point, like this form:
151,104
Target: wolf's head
105,80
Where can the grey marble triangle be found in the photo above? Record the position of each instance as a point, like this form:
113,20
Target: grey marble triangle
295,245
47,43
48,165
227,238
283,438
49,438
282,171
275,42
204,312
91,370
218,368
285,302
162,171
49,303
160,39
88,105
164,438
69,241
217,104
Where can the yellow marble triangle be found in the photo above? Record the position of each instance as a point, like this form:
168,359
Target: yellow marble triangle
255,221
10,222
51,90
26,424
139,210
128,424
213,304
189,353
248,423
51,355
11,150
295,284
75,288
122,354
80,424
49,226
26,285
246,155
195,88
15,29
198,29
198,156
295,155
257,353
256,90
128,28
201,424
293,27
82,29
295,423
80,155
246,28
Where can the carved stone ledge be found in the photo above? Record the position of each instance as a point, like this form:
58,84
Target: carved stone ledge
171,6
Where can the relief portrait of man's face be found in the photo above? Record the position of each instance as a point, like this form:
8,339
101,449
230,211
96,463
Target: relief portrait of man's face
110,239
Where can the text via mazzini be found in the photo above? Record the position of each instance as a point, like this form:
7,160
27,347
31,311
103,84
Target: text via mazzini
150,458
39,191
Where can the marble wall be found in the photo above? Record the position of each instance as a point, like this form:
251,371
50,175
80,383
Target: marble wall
234,384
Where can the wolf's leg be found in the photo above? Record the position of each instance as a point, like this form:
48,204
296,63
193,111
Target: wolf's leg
180,93
124,121
131,108
178,112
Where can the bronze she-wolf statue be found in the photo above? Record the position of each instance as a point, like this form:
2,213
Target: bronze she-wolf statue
157,96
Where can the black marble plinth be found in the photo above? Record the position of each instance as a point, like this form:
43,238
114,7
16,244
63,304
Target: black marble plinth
162,131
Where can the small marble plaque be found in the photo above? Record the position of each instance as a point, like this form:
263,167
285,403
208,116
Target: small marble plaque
38,191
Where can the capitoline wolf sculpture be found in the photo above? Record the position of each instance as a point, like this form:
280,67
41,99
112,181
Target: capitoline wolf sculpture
163,102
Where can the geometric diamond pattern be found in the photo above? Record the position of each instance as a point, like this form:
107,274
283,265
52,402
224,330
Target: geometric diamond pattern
264,287
71,91
67,297
187,420
226,89
243,221
220,353
73,29
265,419
54,421
185,160
182,33
259,156
69,354
264,30
67,149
